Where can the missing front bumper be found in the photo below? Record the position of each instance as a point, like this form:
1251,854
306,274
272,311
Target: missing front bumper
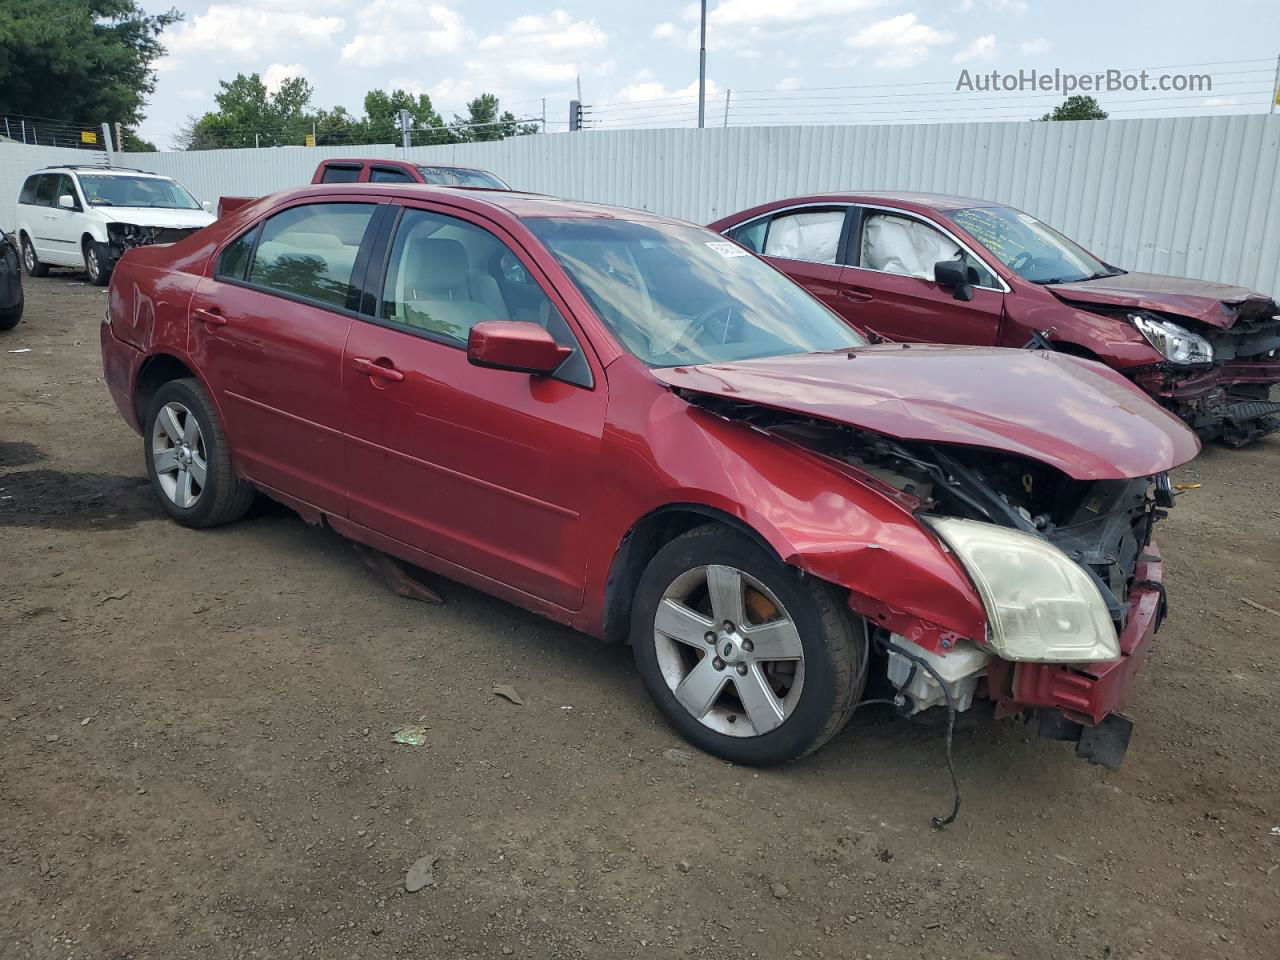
1104,744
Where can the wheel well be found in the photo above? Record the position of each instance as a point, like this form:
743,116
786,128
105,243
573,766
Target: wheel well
86,240
155,373
649,535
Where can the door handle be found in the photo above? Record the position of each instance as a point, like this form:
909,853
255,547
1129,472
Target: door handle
856,294
383,371
211,318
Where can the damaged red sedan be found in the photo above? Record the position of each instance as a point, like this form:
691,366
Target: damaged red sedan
929,268
629,425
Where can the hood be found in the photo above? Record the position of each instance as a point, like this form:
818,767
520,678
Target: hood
1075,415
1217,304
157,217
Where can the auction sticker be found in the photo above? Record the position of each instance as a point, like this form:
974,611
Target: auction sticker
726,249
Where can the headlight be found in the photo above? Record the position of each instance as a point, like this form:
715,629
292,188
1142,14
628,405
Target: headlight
1042,606
1178,344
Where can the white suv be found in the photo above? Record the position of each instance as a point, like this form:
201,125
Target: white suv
81,215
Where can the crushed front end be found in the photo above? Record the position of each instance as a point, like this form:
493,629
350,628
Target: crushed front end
126,236
1224,389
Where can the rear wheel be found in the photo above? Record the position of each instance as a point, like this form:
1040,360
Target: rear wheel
30,262
9,316
748,659
95,264
188,462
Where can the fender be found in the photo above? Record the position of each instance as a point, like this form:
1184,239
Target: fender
825,518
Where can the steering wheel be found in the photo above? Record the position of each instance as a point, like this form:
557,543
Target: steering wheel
697,325
1024,259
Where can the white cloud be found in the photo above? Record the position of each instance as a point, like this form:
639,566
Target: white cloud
400,31
902,41
1219,102
1032,48
556,32
774,12
251,32
278,73
745,27
982,48
664,31
787,83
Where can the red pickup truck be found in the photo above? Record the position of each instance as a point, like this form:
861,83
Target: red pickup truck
387,171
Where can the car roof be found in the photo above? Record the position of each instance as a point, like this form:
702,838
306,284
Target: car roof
517,204
108,171
934,201
400,163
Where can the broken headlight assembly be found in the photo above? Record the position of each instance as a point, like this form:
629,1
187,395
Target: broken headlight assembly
1176,343
1041,606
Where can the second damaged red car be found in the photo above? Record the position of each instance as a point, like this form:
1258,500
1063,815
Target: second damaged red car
931,268
631,426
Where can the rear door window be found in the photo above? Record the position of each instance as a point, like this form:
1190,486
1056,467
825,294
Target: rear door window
44,190
389,175
28,194
340,174
310,252
809,235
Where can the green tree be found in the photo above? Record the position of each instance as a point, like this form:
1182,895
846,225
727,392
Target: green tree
1077,108
484,122
248,115
79,60
381,122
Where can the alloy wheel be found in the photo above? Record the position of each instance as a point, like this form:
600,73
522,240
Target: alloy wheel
29,255
729,651
91,262
178,455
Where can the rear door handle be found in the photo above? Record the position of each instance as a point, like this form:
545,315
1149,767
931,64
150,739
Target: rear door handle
210,317
383,371
856,294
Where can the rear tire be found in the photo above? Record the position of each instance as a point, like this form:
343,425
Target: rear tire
188,460
774,686
30,262
9,316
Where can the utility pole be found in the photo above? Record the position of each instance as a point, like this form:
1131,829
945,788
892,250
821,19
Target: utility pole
1275,90
119,137
106,142
575,115
257,140
726,107
544,114
406,134
702,69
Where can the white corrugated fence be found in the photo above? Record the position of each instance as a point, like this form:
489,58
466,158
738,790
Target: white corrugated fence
1189,196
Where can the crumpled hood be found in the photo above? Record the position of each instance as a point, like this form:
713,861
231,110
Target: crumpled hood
1073,414
157,217
1217,304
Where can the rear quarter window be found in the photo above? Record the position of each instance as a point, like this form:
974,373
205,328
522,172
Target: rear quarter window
233,263
28,194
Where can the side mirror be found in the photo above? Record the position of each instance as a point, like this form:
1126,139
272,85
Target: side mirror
67,202
515,345
208,206
956,276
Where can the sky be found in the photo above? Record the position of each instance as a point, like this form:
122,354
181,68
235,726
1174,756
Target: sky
779,61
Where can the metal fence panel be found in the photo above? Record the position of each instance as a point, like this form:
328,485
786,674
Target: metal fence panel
1190,196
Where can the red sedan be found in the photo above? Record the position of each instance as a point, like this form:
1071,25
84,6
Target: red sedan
629,425
928,268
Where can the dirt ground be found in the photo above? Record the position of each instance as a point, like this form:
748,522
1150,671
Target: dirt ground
198,759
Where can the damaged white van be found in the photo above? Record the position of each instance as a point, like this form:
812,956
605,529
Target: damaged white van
87,216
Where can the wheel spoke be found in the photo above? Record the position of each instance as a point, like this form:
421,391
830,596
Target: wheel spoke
166,460
198,471
184,487
764,709
724,584
698,691
678,622
169,424
191,430
776,640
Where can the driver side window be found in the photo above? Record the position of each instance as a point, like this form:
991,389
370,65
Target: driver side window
909,247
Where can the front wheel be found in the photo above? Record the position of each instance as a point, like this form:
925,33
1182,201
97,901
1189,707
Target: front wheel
188,462
748,659
96,264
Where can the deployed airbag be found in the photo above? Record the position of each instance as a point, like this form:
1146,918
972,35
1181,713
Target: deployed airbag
805,236
903,246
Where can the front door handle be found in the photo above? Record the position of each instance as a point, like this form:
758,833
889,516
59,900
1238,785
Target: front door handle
210,318
382,368
856,294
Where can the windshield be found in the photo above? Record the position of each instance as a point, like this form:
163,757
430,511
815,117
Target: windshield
1030,249
121,191
461,177
677,295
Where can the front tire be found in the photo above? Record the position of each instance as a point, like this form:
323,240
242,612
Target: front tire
188,461
95,264
748,659
30,262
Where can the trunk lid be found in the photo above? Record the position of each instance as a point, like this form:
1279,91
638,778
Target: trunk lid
1075,415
